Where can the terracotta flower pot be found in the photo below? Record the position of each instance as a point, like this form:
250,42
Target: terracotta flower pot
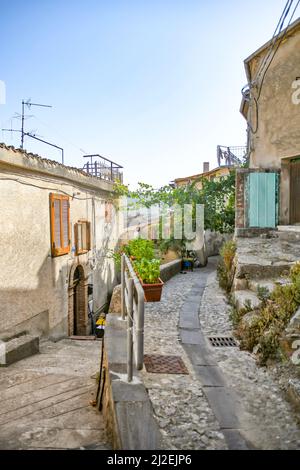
152,292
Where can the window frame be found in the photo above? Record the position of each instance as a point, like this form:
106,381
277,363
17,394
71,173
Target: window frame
62,249
87,224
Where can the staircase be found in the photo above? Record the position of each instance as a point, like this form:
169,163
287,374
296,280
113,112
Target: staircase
264,262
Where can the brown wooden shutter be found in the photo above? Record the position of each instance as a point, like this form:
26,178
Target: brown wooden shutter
60,224
88,236
65,224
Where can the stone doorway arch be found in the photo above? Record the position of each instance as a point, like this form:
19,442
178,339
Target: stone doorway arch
78,323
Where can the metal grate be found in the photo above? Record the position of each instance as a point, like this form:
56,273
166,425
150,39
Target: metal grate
220,342
158,364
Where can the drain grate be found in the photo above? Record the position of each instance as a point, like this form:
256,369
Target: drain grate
220,342
158,364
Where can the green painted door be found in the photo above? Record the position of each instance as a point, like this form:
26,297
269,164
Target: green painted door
262,200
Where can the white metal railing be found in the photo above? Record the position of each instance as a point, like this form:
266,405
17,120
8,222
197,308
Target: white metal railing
133,306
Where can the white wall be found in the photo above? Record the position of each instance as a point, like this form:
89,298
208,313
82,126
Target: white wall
33,285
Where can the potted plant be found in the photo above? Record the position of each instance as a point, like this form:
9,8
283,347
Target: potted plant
148,272
140,248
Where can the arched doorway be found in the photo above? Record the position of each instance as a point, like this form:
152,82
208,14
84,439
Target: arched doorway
78,302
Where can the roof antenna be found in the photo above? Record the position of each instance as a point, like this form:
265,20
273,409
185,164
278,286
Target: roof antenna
31,134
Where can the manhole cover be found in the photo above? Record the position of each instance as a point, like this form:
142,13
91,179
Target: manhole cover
219,341
164,364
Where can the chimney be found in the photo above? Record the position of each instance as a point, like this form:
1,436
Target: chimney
205,167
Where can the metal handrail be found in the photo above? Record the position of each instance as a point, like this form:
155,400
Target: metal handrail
103,168
132,306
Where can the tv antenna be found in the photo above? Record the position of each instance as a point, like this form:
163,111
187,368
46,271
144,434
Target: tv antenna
28,103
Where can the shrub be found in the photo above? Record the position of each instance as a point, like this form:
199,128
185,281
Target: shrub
225,269
274,315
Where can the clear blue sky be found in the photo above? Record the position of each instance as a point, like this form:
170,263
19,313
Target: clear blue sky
153,85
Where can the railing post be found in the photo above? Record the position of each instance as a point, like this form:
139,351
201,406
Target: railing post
130,332
140,332
123,287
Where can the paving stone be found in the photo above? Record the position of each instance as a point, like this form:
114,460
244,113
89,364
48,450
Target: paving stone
210,376
199,356
189,336
223,405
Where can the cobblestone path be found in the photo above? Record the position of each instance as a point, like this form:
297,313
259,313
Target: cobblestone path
187,406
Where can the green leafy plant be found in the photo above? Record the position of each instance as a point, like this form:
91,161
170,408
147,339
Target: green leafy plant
116,256
263,293
273,317
140,248
148,270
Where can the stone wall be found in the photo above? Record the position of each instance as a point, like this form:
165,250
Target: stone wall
214,241
35,289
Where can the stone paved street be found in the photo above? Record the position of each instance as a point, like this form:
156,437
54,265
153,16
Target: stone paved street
185,409
45,399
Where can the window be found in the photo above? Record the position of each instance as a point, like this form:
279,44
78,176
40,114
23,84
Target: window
108,212
60,224
82,232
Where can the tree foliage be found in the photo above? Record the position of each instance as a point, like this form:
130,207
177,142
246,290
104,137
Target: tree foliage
217,196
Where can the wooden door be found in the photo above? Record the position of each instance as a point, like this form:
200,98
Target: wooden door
295,192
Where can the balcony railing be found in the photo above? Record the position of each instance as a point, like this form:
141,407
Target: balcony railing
103,168
231,156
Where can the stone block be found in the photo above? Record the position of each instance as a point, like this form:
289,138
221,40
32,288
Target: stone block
115,303
18,348
243,297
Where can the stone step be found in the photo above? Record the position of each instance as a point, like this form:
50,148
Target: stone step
289,233
17,348
262,269
270,284
241,299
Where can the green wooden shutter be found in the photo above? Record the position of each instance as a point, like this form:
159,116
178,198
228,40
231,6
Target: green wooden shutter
262,200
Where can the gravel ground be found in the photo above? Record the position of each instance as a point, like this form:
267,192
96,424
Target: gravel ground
181,409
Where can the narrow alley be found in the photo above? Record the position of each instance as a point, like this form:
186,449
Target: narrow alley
226,400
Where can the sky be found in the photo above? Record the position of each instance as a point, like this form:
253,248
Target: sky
154,85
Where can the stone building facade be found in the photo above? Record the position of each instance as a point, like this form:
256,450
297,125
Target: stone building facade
56,230
268,193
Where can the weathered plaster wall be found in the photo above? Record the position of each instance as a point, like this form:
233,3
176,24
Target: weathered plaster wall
33,285
278,133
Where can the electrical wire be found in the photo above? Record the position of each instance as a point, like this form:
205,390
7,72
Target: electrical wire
47,188
279,42
61,135
268,57
275,34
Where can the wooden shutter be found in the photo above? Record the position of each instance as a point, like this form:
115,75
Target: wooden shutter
82,234
88,236
262,210
60,224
